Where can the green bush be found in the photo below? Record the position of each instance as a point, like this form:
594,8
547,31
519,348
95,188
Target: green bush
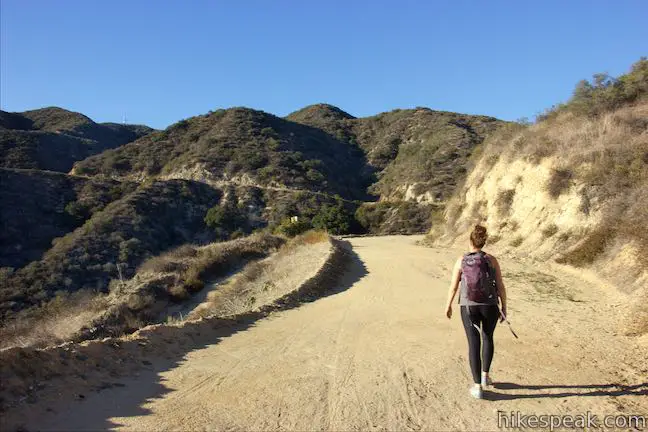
78,210
333,219
292,229
224,217
154,218
398,217
604,93
371,216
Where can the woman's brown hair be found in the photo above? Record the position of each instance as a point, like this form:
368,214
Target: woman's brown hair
478,236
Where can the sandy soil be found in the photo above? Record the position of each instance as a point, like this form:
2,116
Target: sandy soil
379,354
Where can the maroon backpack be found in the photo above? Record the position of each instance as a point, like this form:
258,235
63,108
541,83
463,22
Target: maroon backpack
478,278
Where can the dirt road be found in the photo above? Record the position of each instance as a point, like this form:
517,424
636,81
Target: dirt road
380,355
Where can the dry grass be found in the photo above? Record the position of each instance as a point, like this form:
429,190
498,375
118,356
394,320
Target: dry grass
517,241
171,261
605,160
545,287
635,321
192,267
589,248
559,182
173,276
310,237
550,231
493,239
195,265
55,322
606,155
504,201
262,282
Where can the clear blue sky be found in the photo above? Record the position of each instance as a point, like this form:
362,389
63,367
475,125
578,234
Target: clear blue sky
161,61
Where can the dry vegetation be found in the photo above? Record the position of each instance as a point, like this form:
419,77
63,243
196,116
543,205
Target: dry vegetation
56,322
154,218
174,278
159,282
504,201
420,146
592,155
28,374
397,217
262,282
635,321
609,155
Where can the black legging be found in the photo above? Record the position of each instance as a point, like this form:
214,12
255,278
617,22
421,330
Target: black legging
486,316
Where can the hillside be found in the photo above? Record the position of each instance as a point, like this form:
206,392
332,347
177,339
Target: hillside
217,176
419,154
572,188
241,146
41,206
155,217
54,138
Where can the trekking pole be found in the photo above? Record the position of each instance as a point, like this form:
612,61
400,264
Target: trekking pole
509,324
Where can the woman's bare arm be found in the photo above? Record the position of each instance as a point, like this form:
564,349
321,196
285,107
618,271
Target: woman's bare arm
454,285
501,289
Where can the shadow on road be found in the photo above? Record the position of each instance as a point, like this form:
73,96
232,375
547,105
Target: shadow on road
111,392
575,390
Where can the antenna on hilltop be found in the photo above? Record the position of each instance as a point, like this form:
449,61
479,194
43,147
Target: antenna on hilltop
124,118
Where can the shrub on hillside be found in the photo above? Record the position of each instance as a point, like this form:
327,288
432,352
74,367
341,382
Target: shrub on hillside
604,93
590,248
398,217
559,182
504,201
291,228
333,219
221,216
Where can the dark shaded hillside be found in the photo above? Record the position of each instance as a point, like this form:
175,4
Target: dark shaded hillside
54,138
155,217
421,154
39,206
14,121
243,146
328,118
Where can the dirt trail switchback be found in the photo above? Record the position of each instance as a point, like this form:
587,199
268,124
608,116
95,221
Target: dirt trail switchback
381,355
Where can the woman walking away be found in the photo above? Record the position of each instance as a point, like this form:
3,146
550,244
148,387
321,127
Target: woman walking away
480,278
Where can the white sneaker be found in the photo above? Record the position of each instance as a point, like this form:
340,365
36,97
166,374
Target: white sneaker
476,391
486,381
